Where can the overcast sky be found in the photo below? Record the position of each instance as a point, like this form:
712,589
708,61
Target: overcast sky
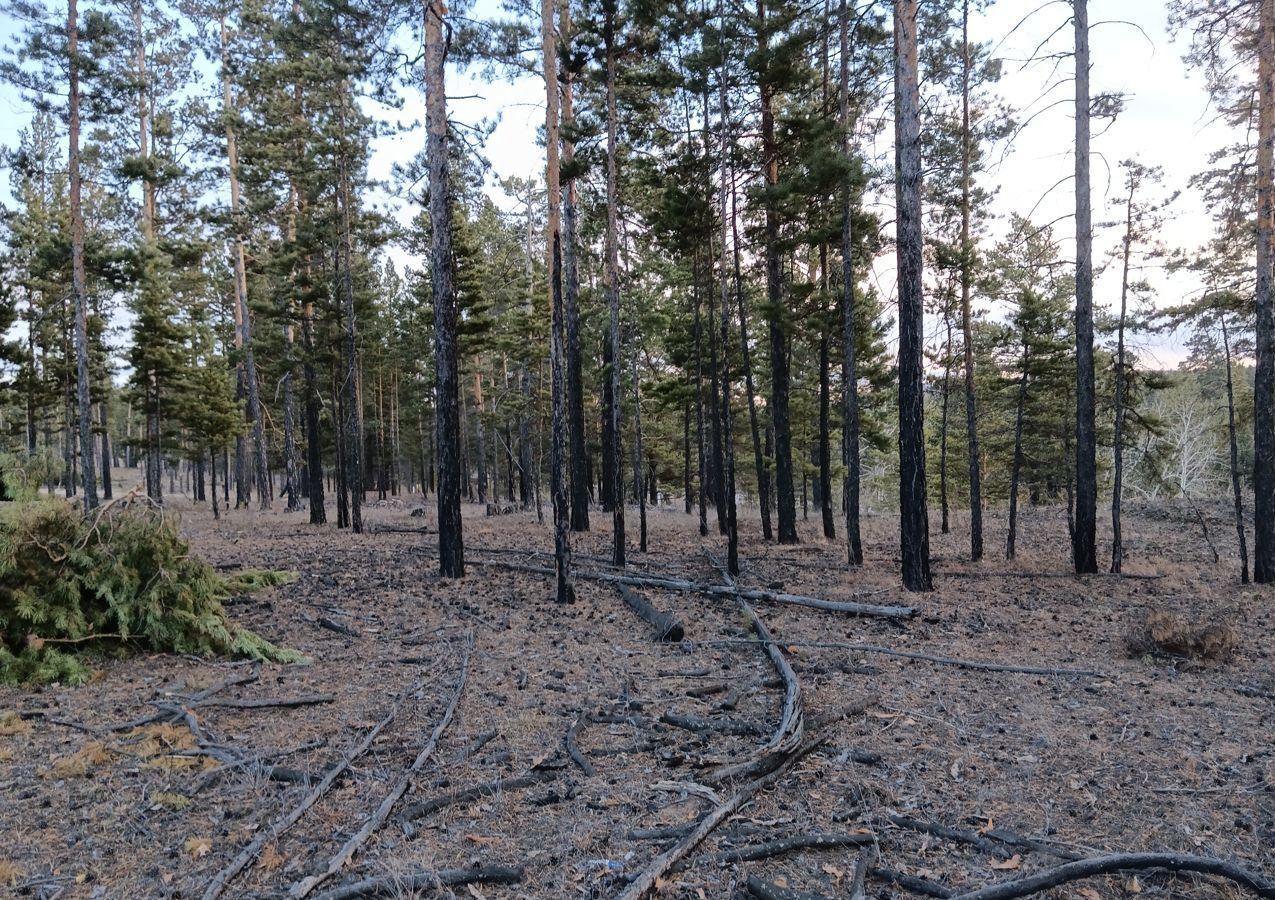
1167,122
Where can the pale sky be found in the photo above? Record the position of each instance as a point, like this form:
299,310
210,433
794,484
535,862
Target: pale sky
1166,122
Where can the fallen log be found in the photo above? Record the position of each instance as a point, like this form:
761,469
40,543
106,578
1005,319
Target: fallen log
692,587
913,883
791,844
1123,862
666,627
424,881
658,867
866,860
710,726
396,791
263,702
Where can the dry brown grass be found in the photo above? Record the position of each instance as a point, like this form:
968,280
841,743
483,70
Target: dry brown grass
11,873
12,724
82,762
1171,634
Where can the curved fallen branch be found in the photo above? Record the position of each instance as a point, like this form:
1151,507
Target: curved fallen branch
1123,862
396,791
395,884
791,728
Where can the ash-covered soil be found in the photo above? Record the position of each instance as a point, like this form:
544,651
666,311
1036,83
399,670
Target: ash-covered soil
1146,753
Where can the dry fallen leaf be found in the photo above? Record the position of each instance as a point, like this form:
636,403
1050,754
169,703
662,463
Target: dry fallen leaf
1014,862
984,829
837,874
1088,893
198,847
482,839
1133,885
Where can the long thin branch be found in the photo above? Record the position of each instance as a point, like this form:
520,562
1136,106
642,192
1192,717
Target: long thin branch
396,791
282,824
691,587
1123,862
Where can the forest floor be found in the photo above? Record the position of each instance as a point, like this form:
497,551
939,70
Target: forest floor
1148,753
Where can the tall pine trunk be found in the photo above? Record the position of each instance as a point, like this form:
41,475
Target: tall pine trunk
1264,381
1236,490
571,292
779,373
79,279
1084,535
727,429
353,396
914,526
754,425
612,251
313,435
967,279
1117,490
558,487
451,548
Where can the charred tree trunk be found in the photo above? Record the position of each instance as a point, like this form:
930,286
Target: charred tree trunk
313,435
557,331
1236,490
1117,490
1084,536
451,547
612,283
914,518
754,425
571,290
1264,381
780,420
79,279
967,278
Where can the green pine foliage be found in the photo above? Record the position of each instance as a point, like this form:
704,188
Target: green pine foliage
121,578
